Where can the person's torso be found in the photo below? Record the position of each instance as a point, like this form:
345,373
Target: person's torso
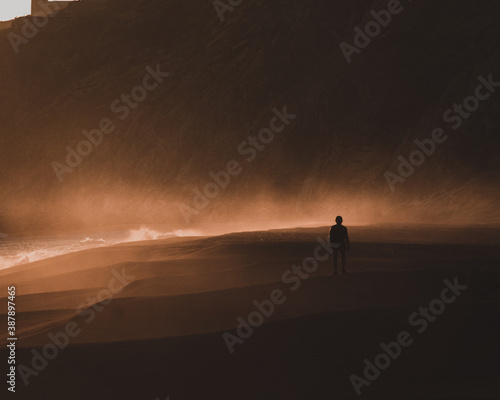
338,234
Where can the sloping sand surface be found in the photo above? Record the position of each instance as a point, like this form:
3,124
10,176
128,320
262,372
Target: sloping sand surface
156,311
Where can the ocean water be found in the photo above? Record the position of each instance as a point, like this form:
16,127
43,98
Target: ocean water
17,250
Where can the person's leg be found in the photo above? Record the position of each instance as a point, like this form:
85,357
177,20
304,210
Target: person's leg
335,255
343,254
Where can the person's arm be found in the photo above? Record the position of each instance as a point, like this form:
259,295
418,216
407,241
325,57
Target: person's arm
347,239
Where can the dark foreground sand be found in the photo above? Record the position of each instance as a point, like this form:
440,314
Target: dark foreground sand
161,334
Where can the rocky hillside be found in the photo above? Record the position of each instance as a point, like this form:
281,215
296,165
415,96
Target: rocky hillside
225,78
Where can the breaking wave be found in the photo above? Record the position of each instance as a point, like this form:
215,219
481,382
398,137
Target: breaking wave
17,251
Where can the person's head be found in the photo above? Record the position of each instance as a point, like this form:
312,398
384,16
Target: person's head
339,220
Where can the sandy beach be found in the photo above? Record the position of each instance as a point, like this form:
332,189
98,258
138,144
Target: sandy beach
152,322
175,176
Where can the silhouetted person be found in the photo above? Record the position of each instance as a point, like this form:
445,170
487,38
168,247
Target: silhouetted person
340,243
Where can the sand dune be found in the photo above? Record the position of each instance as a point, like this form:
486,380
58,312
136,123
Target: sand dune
222,275
180,295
